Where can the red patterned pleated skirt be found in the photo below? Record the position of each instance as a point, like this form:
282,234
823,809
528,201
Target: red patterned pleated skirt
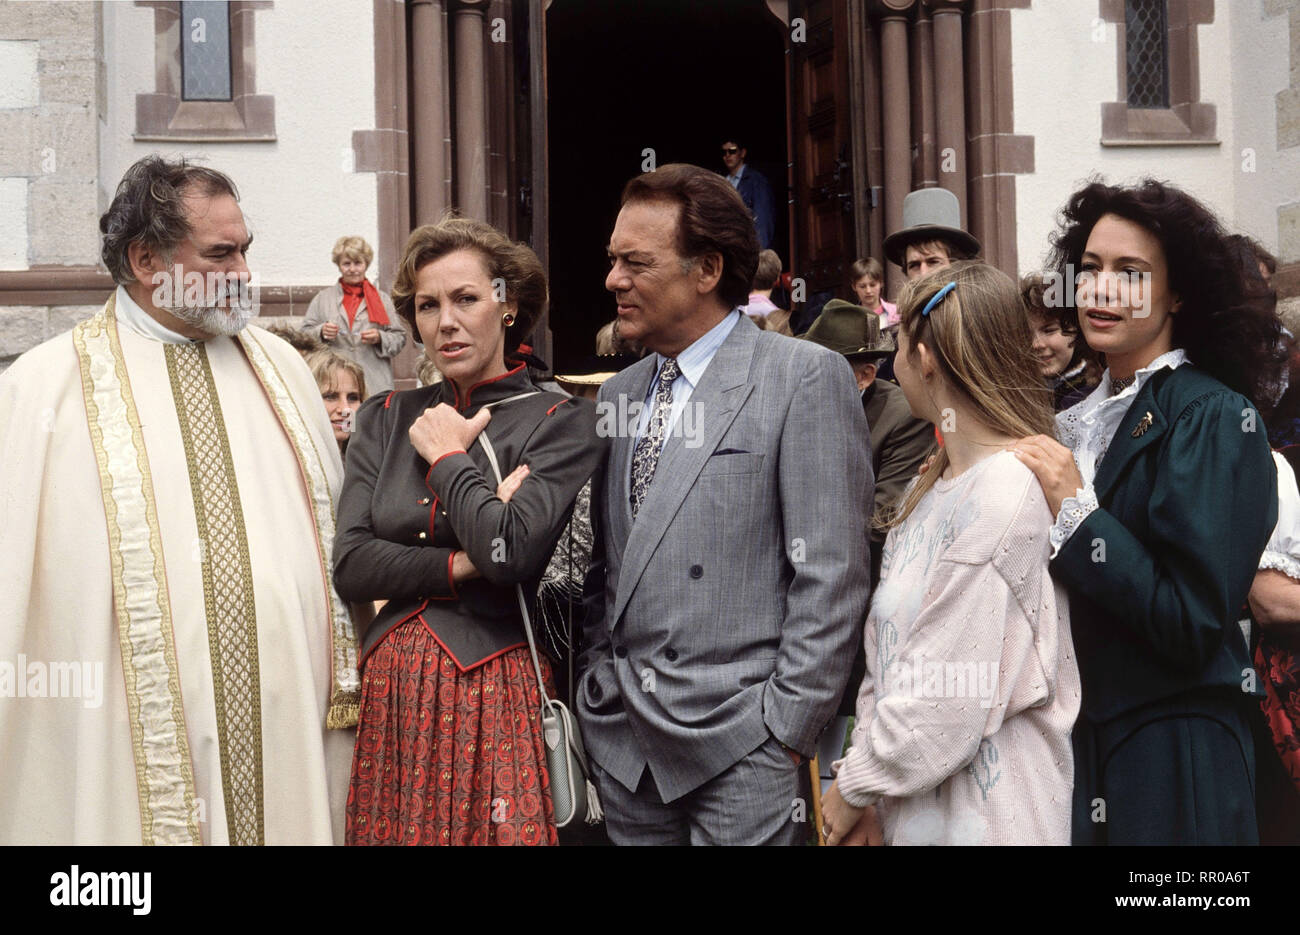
448,757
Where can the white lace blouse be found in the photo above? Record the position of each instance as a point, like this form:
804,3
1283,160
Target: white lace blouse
1086,428
1283,550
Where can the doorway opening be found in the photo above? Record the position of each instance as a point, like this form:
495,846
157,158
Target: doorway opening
675,77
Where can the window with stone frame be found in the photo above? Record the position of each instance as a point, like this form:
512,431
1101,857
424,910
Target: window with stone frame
1158,74
204,76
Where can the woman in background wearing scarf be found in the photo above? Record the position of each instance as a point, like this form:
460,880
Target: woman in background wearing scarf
355,319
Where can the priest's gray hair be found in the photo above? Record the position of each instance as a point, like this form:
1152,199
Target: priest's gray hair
149,207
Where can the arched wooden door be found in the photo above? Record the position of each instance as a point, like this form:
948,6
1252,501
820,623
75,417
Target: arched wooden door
822,150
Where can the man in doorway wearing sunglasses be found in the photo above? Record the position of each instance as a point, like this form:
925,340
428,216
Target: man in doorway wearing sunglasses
754,190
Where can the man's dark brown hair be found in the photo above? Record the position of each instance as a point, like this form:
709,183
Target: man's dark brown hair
713,219
149,206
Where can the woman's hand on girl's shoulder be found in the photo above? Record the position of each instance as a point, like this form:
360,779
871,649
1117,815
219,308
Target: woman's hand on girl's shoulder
1053,465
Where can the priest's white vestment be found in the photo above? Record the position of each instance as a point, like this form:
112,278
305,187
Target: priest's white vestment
204,720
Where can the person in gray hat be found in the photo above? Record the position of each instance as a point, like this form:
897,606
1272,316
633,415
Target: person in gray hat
932,236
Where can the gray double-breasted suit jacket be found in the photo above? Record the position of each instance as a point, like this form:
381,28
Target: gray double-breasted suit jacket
729,610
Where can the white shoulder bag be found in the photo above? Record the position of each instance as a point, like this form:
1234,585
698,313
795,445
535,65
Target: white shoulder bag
572,791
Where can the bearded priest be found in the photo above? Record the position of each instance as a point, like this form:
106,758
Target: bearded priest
175,664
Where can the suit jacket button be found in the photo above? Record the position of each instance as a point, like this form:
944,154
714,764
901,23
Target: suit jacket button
670,654
697,571
422,535
425,501
621,652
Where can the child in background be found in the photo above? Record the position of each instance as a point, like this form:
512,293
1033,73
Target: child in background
1066,364
868,278
342,388
766,276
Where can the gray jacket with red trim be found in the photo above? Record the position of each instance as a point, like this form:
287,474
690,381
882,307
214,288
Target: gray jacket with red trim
400,521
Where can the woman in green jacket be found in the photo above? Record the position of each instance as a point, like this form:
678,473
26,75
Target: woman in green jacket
1165,495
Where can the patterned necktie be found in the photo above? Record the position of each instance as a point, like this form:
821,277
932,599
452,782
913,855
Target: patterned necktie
645,457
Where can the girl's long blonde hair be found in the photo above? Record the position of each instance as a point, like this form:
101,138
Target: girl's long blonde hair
979,336
325,365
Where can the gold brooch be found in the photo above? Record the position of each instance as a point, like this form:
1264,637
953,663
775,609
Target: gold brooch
1143,424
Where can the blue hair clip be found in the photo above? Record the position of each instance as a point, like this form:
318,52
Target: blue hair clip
937,298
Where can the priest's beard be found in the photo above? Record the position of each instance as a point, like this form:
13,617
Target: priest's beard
214,320
214,303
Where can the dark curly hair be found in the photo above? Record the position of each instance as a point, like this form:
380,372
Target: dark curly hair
149,207
713,219
1227,327
1251,250
513,263
1280,405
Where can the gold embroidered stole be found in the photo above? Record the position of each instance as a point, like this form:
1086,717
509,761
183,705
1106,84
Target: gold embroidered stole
345,690
160,747
227,588
165,777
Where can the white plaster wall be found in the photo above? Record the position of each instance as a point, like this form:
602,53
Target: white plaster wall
1261,68
1061,76
13,223
299,193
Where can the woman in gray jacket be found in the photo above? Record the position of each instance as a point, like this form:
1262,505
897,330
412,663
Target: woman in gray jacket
355,319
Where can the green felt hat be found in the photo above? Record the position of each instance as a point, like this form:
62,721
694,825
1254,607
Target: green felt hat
850,330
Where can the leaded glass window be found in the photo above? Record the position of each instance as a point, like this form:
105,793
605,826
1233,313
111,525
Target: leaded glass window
205,50
1146,41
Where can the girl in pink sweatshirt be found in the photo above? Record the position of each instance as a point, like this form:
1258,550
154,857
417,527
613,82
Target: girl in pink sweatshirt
963,720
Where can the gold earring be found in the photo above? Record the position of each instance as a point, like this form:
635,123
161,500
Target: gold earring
508,318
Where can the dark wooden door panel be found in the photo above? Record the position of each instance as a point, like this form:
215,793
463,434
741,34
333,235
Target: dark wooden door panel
819,77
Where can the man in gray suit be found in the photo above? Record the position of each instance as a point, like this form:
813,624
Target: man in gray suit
730,576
